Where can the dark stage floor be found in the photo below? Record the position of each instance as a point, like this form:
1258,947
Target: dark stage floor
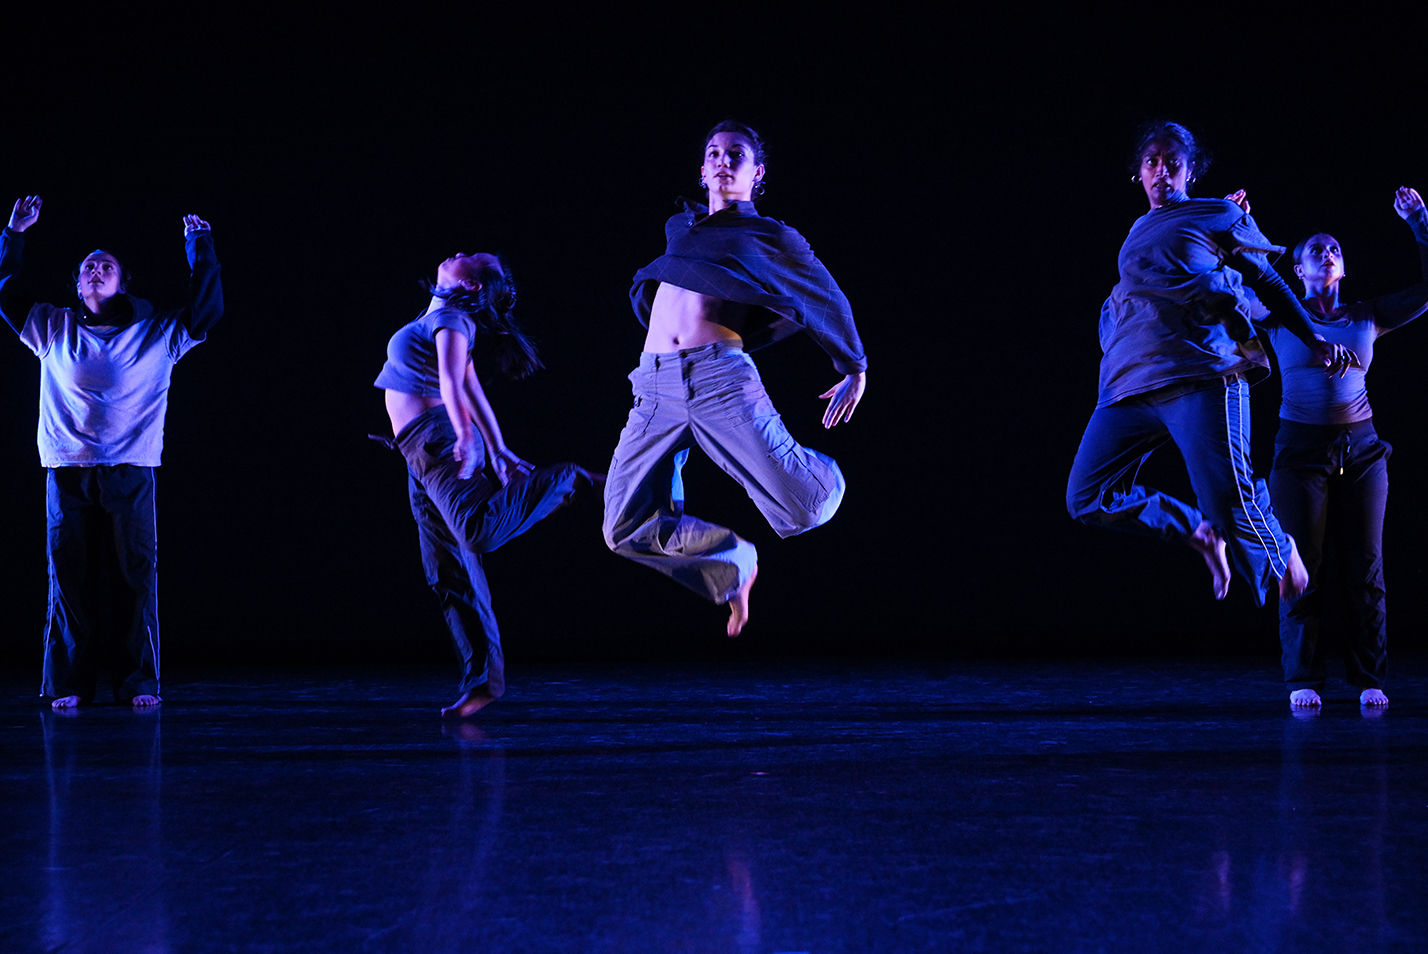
838,808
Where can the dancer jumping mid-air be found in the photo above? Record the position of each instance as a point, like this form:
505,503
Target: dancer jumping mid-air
1179,353
730,281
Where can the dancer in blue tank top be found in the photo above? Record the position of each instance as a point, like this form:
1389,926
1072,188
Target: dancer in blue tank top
1330,476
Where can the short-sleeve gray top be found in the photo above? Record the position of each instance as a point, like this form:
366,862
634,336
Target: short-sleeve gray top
411,365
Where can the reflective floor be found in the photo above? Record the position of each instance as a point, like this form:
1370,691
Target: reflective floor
776,808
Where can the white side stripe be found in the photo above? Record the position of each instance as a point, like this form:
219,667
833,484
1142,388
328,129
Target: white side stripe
1254,515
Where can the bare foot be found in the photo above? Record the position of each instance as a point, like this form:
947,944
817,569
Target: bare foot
739,605
1210,545
470,704
1373,697
1296,578
145,701
1303,698
65,702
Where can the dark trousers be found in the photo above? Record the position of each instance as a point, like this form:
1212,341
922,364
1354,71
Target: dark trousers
1330,486
102,543
1209,422
458,522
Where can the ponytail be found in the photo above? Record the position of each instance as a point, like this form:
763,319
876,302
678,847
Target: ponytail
491,307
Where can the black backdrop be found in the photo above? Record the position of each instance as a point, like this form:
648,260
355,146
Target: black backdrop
964,183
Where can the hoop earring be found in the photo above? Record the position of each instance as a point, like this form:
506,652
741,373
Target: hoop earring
701,183
759,189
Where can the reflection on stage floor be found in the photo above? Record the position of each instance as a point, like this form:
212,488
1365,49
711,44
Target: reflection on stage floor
774,807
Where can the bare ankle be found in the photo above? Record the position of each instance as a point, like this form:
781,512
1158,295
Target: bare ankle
1211,546
739,605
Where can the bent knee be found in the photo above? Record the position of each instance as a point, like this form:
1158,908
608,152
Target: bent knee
804,518
802,523
617,537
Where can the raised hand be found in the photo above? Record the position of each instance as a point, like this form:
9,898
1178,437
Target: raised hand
192,223
843,398
1239,198
26,212
1406,201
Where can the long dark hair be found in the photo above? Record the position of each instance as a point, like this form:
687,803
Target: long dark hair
491,307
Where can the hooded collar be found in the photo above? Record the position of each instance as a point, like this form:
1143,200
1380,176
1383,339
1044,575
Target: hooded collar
122,311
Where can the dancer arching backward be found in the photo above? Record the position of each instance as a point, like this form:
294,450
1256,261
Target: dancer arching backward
1179,352
446,430
104,391
730,281
1330,476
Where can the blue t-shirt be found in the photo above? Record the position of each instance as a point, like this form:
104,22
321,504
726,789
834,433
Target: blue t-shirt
1309,394
411,353
1180,312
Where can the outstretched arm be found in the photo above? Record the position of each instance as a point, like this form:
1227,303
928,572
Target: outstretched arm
25,214
1394,311
1290,313
828,319
205,304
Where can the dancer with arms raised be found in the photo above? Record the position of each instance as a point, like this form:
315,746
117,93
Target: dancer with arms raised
105,367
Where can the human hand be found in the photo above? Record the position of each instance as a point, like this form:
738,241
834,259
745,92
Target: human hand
192,223
468,451
508,466
1406,201
1336,358
1239,198
26,212
843,398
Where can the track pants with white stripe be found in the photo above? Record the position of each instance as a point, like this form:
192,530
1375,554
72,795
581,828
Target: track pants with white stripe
1209,421
102,543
